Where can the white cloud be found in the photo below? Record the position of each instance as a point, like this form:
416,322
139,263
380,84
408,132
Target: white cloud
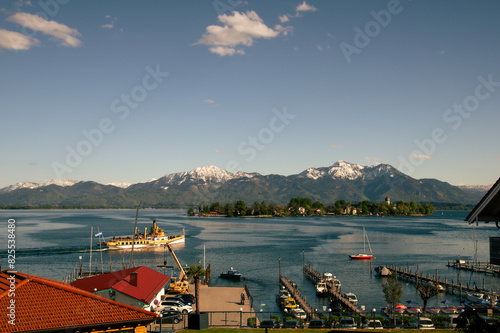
11,40
223,50
220,150
284,18
58,30
304,7
209,101
237,29
108,26
421,157
319,47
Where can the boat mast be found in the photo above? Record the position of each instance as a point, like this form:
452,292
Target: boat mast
133,239
90,261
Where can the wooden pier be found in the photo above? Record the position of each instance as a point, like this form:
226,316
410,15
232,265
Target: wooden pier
481,267
333,291
295,293
435,279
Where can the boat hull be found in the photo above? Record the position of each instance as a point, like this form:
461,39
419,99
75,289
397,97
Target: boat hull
123,244
361,257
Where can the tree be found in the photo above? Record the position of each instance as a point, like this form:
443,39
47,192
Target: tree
228,209
241,208
196,272
426,291
392,292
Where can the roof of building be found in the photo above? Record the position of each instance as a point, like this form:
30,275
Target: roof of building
149,283
488,209
44,305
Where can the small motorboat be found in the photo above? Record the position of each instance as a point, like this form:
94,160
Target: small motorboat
414,309
351,297
400,309
448,309
321,289
298,313
231,274
433,310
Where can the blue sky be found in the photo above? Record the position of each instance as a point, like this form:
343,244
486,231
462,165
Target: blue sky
126,91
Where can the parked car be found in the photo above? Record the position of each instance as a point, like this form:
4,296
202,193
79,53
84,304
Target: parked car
389,323
176,305
292,324
187,298
171,316
269,323
373,324
176,299
424,324
316,323
347,322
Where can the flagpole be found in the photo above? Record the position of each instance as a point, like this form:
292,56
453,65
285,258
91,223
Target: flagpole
90,261
100,249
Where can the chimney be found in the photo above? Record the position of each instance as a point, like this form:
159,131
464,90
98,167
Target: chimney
133,278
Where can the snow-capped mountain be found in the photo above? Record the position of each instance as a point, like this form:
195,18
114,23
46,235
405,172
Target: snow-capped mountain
350,171
207,174
31,185
342,180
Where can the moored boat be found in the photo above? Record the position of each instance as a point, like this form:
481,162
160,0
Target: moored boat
156,237
351,297
231,274
448,309
321,289
433,310
364,255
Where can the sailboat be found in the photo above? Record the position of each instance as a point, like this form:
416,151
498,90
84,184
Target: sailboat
364,255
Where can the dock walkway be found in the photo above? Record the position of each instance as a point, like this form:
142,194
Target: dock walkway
295,293
449,286
333,291
482,267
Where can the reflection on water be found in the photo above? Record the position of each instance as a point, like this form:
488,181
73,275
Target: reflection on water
49,244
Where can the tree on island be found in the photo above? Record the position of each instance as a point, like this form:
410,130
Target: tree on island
392,293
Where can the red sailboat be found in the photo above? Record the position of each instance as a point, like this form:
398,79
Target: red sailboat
364,255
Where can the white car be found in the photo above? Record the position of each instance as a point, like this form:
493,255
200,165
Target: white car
176,305
347,322
424,324
373,324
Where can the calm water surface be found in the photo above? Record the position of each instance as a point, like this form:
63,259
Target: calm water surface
49,244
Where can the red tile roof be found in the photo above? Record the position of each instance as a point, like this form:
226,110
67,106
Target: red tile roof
149,283
43,305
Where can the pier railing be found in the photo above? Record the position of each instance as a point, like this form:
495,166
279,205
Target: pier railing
333,291
450,286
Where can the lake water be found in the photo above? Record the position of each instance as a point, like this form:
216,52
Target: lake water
50,242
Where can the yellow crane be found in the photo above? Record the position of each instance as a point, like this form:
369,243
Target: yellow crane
180,284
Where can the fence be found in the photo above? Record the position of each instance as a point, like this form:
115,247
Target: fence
226,319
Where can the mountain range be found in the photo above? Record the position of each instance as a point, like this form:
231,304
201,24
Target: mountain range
204,185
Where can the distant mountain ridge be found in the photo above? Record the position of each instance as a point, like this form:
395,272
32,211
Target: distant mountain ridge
342,180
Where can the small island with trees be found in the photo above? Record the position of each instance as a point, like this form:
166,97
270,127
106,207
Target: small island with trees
300,206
